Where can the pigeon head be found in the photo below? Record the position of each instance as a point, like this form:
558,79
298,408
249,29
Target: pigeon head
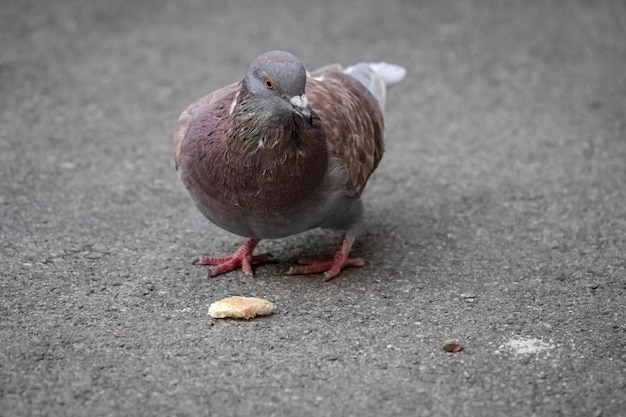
275,84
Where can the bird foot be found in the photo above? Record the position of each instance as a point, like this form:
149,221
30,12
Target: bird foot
330,267
241,258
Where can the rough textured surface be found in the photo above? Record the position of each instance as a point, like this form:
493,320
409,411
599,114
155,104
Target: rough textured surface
497,217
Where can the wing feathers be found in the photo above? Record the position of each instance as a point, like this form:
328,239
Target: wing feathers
353,124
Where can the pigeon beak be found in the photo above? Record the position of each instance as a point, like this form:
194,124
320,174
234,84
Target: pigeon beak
301,106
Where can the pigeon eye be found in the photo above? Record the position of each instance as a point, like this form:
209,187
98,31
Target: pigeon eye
268,83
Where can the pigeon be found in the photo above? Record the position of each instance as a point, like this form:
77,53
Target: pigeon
285,151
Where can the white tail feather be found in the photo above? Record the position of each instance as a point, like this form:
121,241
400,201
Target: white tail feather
377,77
392,74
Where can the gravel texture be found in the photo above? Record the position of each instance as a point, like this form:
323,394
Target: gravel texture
496,220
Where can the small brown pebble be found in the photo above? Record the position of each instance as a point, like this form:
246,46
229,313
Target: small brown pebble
453,347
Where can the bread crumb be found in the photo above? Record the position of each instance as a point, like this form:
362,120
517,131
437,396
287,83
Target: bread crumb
237,307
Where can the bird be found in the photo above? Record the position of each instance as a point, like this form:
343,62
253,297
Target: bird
284,151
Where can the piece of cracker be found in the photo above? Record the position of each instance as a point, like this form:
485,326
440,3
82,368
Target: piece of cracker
237,307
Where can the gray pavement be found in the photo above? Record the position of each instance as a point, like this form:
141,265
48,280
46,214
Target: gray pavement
497,217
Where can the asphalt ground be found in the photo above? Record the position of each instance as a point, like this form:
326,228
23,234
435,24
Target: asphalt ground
497,218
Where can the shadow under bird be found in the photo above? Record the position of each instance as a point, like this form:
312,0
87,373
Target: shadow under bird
284,151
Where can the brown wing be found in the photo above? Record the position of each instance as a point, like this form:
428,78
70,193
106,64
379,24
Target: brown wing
352,121
202,106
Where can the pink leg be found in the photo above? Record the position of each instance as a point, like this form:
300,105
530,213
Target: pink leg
330,267
241,258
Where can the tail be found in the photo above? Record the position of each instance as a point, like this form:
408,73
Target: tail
377,77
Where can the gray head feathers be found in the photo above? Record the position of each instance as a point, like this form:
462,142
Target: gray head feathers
277,79
278,71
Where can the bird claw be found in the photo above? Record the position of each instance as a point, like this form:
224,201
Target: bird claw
222,265
242,258
330,267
